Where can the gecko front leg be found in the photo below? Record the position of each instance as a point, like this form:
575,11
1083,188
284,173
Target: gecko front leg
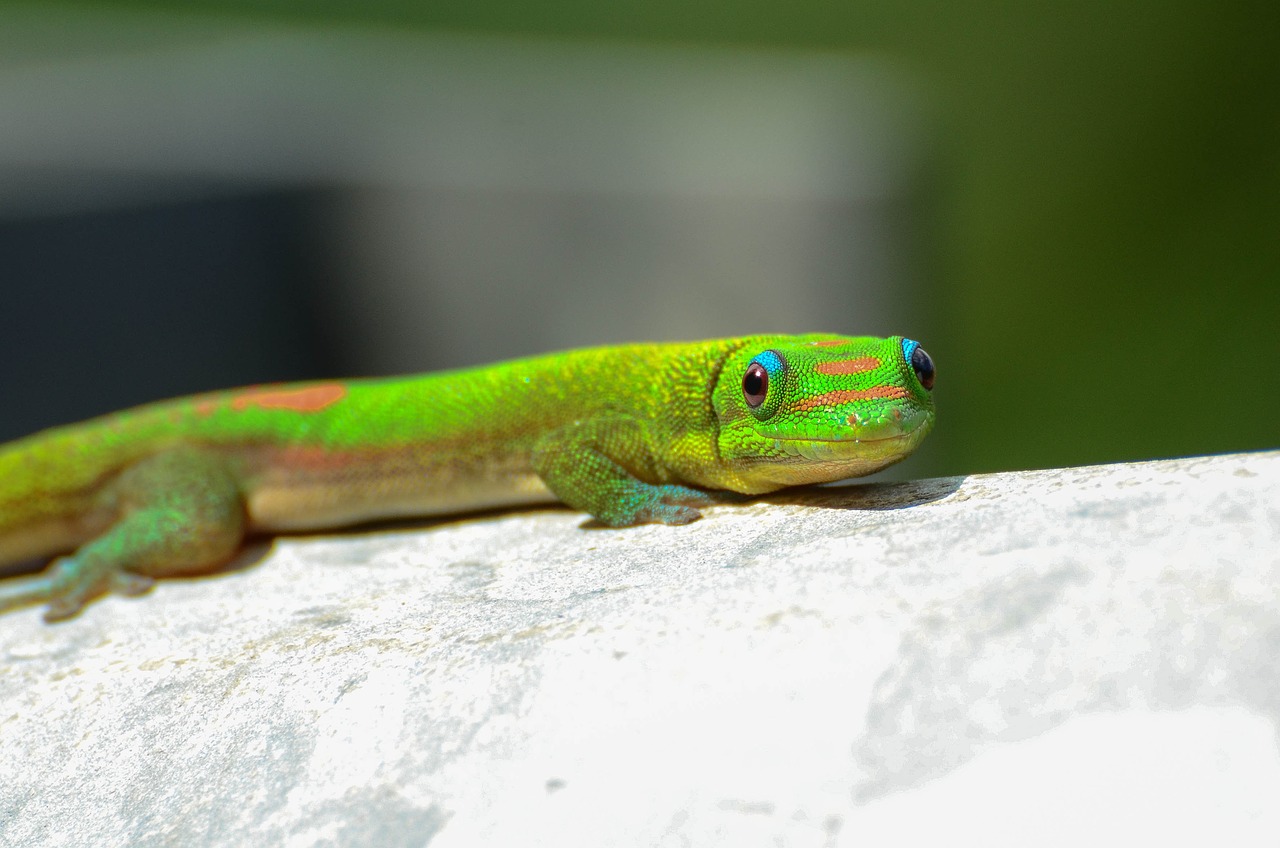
605,466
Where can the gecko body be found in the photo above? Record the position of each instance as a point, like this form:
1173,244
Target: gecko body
630,434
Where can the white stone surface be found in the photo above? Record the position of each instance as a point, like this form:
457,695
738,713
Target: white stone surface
1068,657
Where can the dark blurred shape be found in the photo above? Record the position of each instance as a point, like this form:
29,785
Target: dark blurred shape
110,308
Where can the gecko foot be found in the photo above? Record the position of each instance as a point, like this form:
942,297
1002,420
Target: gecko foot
72,583
66,586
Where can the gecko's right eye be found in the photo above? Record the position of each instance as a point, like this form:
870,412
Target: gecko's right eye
767,368
755,385
922,364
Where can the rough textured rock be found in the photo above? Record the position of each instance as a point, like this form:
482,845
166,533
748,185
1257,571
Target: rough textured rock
1077,656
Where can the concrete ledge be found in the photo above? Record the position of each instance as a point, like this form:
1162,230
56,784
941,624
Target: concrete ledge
1077,656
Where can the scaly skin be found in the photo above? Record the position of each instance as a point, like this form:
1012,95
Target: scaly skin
630,434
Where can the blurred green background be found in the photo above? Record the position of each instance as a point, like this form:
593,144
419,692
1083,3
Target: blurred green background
1098,224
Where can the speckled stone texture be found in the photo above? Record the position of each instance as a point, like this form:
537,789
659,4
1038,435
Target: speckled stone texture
1077,656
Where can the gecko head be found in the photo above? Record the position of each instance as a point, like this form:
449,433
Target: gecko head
813,409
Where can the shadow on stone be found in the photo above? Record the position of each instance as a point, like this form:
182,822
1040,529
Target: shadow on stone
873,496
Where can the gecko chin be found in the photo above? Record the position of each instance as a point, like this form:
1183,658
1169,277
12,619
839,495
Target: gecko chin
803,461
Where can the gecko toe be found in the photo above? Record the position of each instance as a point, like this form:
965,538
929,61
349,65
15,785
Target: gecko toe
61,609
128,583
672,514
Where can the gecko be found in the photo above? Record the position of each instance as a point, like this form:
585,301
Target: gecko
630,434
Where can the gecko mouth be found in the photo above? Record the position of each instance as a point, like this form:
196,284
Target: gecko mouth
864,440
860,435
857,434
857,448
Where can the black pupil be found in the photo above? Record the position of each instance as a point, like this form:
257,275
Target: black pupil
755,384
923,366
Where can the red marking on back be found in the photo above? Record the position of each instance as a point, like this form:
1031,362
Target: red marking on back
848,366
829,342
312,457
846,395
205,408
305,399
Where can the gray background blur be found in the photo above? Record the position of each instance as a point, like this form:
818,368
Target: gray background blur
1075,210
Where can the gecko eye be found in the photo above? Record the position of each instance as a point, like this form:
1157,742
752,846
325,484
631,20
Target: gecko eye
755,384
923,366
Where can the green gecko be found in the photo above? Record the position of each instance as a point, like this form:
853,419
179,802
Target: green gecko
630,434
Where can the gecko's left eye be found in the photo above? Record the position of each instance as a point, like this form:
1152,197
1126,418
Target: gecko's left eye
755,385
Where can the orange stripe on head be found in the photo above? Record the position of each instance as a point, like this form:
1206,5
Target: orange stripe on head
305,399
845,395
829,343
848,366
